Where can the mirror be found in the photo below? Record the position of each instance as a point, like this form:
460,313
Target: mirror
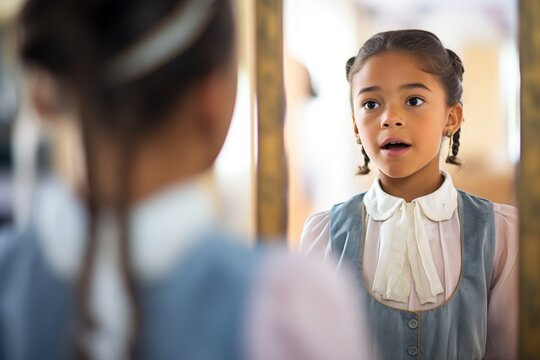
320,35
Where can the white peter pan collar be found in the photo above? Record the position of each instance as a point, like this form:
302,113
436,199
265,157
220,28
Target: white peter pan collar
437,206
404,251
162,227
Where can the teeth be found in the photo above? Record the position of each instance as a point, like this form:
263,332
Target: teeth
394,143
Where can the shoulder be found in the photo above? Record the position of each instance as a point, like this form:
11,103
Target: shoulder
351,202
215,273
505,212
344,213
502,212
477,210
222,255
302,277
474,200
320,220
505,216
212,266
303,298
202,300
506,221
316,222
316,233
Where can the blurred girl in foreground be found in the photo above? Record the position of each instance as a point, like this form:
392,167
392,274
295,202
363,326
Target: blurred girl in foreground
130,262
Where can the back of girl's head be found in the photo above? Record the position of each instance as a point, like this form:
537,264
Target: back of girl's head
125,64
432,56
78,41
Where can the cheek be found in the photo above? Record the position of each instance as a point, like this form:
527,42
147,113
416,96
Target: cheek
367,128
368,134
432,144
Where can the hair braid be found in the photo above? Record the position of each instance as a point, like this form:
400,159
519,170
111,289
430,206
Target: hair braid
452,158
456,63
86,321
126,265
122,204
348,66
364,169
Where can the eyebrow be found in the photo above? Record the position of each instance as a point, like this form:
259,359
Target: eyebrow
404,86
415,86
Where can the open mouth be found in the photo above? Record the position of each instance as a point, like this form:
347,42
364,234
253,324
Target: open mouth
395,145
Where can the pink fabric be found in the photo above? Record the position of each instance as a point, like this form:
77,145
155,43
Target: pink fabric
503,307
445,246
303,309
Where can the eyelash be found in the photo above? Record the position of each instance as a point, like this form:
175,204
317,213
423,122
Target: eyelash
365,103
416,98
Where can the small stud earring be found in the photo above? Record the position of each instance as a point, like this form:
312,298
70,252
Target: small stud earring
448,133
358,141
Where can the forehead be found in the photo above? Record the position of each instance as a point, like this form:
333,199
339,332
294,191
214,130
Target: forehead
392,69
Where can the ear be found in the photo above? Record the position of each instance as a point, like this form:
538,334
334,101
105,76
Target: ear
214,100
455,117
45,95
355,128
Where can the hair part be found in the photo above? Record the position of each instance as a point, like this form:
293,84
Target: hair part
433,57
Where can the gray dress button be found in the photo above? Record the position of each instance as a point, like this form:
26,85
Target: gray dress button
412,350
413,323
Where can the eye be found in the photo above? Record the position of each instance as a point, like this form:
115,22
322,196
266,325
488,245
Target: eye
414,101
370,105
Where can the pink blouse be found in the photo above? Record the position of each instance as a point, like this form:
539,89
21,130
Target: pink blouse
445,245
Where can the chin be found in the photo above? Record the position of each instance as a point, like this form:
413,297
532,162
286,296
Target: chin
396,172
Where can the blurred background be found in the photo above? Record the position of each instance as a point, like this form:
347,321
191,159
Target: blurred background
9,106
319,36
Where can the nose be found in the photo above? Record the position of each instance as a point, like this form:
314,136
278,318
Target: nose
391,118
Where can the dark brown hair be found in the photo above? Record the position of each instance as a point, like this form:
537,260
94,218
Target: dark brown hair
434,59
74,41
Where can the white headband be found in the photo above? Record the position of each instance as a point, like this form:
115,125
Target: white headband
171,37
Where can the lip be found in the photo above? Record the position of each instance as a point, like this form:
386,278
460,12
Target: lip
394,152
393,139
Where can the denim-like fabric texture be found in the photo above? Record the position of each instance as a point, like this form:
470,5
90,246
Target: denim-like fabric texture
195,312
35,307
455,330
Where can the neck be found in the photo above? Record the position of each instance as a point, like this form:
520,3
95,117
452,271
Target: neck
157,162
158,168
423,182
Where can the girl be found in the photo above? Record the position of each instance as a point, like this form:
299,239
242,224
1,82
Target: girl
130,262
437,267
